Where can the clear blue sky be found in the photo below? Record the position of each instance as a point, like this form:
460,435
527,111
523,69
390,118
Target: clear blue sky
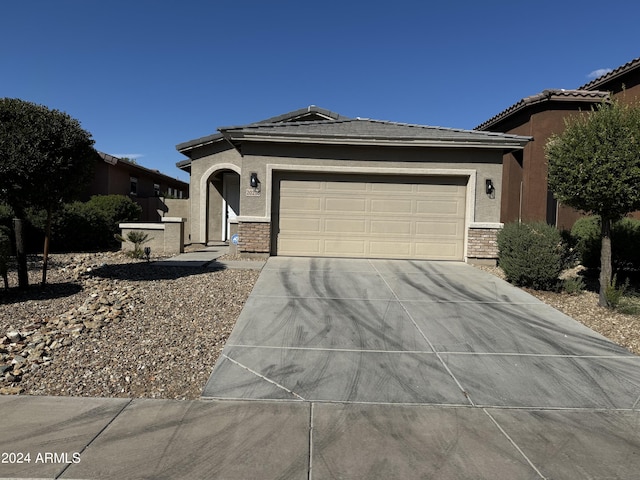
143,76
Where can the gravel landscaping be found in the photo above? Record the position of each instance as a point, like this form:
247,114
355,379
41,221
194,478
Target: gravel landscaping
110,326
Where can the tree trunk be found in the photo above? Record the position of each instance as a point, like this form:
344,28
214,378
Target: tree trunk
21,256
45,251
605,262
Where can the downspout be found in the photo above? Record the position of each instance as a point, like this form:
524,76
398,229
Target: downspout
520,204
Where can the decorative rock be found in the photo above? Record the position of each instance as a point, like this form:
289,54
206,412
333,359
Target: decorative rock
18,360
11,390
14,336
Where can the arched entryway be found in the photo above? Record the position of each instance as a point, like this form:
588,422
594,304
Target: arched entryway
221,204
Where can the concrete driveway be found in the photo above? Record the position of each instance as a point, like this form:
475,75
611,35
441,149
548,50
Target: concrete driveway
432,370
434,333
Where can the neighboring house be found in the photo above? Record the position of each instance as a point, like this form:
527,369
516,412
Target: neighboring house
115,176
315,183
525,195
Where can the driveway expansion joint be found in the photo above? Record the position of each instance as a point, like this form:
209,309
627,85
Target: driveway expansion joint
262,376
95,437
415,324
515,445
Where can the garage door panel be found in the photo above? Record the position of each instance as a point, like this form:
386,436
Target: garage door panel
390,205
304,185
301,225
420,218
337,247
448,229
391,188
350,205
300,246
349,187
300,204
436,250
342,225
439,207
391,227
390,249
436,188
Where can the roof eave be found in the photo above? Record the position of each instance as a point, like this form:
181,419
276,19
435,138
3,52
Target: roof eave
199,142
512,143
594,96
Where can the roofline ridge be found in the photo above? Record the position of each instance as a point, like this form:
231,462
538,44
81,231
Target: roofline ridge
610,75
545,95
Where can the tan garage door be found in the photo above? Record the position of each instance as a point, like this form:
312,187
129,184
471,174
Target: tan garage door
373,218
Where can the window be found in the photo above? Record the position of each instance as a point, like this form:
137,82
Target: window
134,185
156,189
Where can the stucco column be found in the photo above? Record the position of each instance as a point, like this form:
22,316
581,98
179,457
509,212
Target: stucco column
173,234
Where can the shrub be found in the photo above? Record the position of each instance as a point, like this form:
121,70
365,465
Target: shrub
625,236
116,209
532,255
586,231
87,226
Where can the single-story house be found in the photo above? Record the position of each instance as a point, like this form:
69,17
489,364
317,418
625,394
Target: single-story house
315,183
525,194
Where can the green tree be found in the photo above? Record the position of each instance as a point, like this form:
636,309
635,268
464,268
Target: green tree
594,166
46,158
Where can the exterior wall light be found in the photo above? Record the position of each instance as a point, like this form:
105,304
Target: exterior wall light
489,188
253,181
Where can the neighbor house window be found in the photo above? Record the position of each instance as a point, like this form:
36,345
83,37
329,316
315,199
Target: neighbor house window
156,189
134,185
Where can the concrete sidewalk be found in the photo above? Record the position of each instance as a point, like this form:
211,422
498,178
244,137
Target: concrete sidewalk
207,257
96,438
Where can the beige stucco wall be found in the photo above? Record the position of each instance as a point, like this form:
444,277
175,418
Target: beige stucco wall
179,207
477,164
267,159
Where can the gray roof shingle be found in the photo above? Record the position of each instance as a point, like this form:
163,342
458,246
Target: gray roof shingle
367,131
312,112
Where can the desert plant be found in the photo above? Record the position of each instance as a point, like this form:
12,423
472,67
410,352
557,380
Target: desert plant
138,239
573,285
532,255
615,291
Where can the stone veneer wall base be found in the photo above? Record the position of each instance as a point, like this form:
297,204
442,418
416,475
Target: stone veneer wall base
254,238
482,246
